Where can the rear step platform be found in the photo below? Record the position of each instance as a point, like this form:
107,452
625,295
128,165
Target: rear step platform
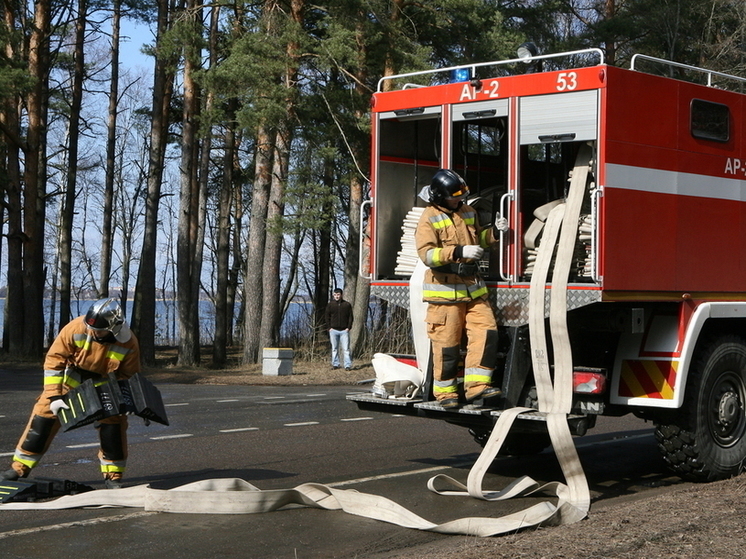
369,401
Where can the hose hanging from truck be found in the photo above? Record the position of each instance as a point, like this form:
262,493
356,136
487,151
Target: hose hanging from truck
236,496
555,399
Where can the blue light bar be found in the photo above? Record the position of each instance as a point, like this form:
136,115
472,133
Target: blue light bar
460,75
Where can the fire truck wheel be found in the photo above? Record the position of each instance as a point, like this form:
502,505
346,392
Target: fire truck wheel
706,439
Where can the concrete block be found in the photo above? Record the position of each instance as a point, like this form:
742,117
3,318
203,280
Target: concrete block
277,361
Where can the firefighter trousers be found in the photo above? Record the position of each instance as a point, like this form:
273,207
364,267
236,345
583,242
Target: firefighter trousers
446,326
43,426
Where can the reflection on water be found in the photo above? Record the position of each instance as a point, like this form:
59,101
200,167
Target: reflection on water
165,318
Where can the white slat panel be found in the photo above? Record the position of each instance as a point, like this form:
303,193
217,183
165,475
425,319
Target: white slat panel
560,115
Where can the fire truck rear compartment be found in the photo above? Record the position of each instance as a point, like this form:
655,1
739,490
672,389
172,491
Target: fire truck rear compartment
409,155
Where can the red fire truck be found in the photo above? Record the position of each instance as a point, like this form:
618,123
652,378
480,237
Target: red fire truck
656,294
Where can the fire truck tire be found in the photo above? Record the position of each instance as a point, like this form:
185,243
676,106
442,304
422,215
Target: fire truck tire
706,439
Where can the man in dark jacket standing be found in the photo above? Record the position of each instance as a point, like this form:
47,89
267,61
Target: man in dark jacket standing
339,322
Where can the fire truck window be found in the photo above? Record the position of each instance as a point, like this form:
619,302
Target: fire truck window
480,139
550,153
413,139
480,153
710,121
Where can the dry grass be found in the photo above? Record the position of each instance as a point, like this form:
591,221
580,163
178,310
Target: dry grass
304,372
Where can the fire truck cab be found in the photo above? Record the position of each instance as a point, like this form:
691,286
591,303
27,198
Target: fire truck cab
656,293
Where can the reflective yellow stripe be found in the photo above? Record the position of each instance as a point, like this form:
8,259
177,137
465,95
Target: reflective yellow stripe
483,239
114,354
29,463
447,293
478,292
432,258
440,221
82,341
72,383
52,380
445,389
113,467
477,378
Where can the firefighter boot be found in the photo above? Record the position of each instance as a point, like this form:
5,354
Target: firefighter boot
9,475
448,403
485,394
113,480
17,470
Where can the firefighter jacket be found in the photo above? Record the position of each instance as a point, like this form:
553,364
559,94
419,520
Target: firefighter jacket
76,356
439,236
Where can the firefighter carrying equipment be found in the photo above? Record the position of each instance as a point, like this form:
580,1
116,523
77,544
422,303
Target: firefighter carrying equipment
74,357
235,496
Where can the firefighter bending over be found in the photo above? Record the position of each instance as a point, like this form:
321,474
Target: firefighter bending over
89,347
451,242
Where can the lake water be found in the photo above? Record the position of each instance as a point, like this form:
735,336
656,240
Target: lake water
296,319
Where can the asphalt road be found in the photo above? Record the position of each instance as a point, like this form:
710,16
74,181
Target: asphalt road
279,438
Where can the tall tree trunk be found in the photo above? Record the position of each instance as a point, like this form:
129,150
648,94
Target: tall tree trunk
10,121
322,260
68,206
223,320
34,191
359,286
389,65
270,325
143,314
253,281
111,145
236,248
189,208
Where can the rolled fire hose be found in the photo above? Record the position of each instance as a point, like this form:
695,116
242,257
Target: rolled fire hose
236,496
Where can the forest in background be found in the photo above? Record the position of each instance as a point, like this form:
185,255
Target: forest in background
236,169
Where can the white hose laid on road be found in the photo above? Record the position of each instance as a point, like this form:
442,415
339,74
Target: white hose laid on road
235,496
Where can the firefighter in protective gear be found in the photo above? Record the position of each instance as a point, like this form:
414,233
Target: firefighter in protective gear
451,242
89,347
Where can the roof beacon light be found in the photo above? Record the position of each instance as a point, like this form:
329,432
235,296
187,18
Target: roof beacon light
460,75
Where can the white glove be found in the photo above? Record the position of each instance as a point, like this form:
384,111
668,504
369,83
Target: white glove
57,405
501,224
473,252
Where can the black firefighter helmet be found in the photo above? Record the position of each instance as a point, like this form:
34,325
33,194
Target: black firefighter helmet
447,185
